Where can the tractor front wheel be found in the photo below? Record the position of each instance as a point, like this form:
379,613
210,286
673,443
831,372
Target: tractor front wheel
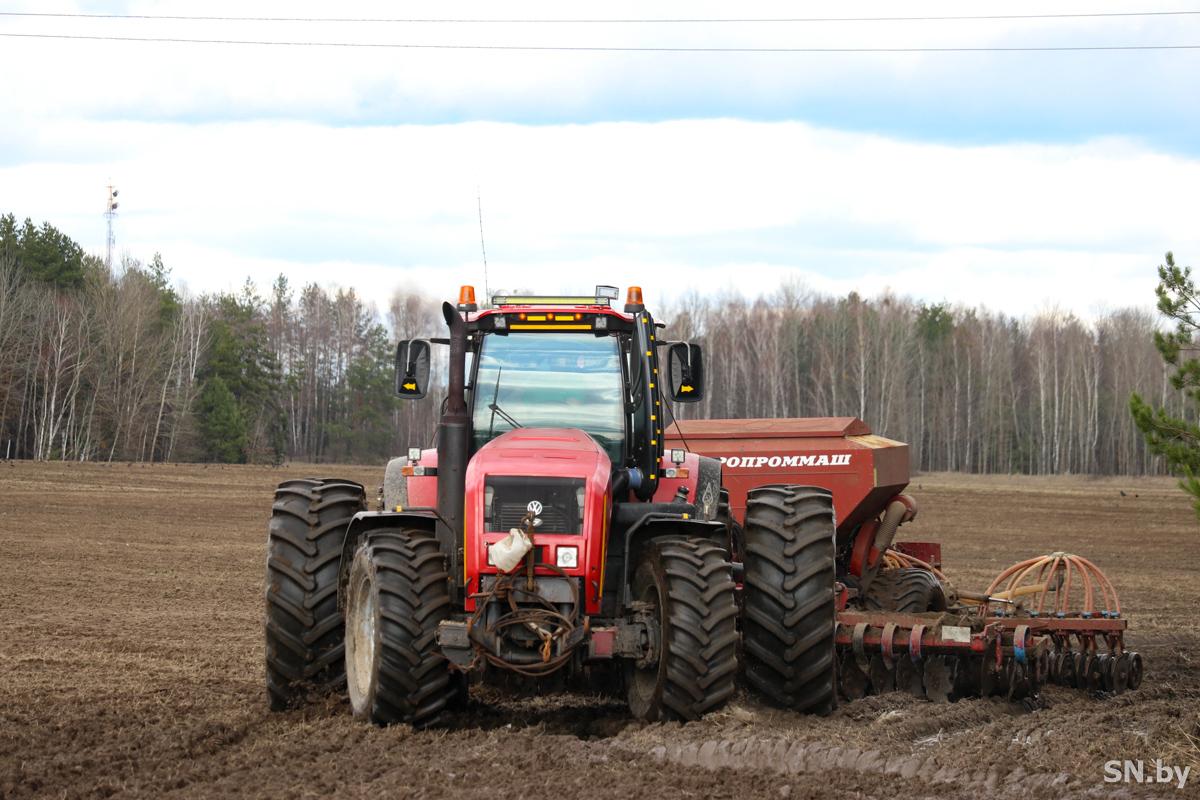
789,605
687,586
398,592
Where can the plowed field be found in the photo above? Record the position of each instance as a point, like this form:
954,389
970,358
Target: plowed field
131,661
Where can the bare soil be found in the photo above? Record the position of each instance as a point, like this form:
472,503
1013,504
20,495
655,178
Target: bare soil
131,665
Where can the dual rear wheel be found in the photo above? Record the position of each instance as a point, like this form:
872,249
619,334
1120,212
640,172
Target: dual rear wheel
788,614
383,651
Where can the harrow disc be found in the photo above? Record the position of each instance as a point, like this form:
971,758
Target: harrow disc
1135,670
1041,667
1016,680
853,682
883,678
1058,670
1105,666
909,678
1093,671
1079,673
1119,669
939,679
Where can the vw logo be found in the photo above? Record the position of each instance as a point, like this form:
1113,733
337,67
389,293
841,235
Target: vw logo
534,507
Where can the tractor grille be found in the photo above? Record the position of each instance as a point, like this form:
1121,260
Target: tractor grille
509,498
553,519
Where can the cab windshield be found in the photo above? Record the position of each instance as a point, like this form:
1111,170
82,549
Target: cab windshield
550,380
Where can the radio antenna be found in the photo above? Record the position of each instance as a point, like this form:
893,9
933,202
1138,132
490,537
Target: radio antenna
487,295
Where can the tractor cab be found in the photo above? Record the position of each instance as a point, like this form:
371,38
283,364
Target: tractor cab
571,362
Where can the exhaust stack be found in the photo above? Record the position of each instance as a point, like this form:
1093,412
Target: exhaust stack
454,431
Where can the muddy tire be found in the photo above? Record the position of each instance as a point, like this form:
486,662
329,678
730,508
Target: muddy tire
303,625
398,592
788,615
689,585
908,590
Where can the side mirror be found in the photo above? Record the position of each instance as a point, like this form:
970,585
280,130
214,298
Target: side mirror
412,368
685,371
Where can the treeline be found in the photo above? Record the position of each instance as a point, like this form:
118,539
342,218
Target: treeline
970,389
100,364
119,365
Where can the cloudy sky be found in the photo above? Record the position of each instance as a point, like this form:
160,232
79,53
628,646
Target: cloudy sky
1016,179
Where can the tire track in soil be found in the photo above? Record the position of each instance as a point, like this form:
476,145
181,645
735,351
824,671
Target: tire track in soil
791,757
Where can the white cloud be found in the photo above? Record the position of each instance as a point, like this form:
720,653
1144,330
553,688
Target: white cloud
672,206
285,186
934,93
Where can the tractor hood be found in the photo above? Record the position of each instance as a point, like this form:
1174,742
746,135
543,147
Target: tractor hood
564,470
566,452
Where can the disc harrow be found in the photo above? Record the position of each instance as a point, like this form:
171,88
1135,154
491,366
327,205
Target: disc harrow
1054,618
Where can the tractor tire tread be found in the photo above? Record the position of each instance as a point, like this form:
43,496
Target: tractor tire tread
789,603
414,684
908,590
302,626
701,629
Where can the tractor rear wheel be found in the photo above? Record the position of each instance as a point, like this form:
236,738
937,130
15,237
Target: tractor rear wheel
789,604
687,584
303,624
908,590
398,592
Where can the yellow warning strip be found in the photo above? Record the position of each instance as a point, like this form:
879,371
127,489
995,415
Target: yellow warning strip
549,327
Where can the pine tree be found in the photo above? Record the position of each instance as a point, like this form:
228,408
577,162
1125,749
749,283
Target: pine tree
222,428
1171,436
46,254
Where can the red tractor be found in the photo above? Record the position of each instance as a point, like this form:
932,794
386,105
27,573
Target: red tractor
552,536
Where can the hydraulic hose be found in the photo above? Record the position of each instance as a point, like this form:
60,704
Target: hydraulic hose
899,510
